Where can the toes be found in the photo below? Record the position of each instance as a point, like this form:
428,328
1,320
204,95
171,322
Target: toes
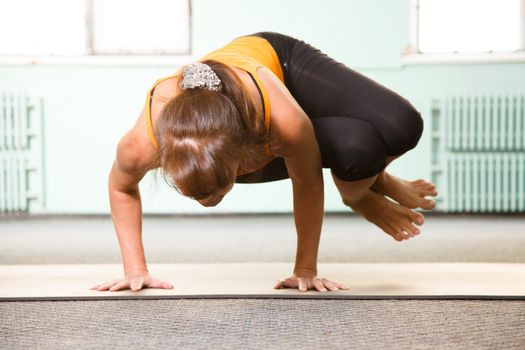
424,203
411,230
398,235
401,236
428,204
424,185
428,183
431,191
406,235
395,235
417,218
426,191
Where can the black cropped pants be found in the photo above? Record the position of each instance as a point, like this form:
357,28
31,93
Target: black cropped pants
357,121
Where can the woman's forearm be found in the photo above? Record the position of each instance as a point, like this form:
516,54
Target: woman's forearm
308,215
126,213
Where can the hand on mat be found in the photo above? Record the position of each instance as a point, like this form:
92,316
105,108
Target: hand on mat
135,281
306,283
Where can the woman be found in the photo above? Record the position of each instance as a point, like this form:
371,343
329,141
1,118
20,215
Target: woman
267,107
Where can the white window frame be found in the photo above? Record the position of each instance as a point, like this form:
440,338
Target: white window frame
412,55
96,59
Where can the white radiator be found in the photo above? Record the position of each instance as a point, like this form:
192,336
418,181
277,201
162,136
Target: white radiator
478,153
21,153
484,123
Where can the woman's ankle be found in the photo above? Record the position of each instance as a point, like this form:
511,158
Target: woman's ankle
381,183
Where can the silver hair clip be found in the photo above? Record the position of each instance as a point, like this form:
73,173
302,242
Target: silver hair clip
200,75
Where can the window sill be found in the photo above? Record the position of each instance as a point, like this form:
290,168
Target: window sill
99,60
462,58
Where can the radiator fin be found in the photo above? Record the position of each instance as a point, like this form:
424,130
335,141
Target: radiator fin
21,153
478,153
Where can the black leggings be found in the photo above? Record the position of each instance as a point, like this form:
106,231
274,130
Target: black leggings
357,121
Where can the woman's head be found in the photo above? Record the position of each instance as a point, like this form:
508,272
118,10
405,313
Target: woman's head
203,136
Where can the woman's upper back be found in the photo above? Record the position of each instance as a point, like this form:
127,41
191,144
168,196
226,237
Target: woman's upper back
247,53
244,53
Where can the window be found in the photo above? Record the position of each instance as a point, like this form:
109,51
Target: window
473,29
95,27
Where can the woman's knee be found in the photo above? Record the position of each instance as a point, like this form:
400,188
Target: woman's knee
352,148
408,131
359,164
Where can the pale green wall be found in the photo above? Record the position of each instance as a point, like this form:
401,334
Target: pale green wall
88,108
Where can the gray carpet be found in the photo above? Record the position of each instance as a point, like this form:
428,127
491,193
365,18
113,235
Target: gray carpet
263,324
252,238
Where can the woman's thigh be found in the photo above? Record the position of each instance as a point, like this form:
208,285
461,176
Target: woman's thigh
324,87
352,148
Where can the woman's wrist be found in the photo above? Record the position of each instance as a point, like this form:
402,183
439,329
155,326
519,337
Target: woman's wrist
305,272
135,269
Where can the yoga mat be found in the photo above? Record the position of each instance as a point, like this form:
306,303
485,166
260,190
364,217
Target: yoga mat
255,280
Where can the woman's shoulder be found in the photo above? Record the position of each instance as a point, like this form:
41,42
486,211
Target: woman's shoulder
288,119
136,148
135,151
166,88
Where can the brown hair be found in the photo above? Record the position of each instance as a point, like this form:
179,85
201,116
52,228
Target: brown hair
201,133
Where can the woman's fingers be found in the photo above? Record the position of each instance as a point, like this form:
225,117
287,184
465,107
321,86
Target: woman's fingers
167,285
286,283
329,284
279,284
155,283
107,285
318,285
303,286
136,284
301,283
341,286
119,286
307,283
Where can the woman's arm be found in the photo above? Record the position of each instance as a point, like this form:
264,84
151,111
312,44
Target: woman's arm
304,167
125,202
132,161
294,139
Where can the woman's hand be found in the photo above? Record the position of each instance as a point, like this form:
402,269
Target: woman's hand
306,283
135,280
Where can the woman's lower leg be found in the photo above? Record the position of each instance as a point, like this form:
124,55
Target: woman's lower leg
357,188
354,191
382,178
410,194
394,219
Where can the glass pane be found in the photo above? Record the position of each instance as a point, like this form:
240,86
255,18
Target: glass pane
42,27
469,25
138,26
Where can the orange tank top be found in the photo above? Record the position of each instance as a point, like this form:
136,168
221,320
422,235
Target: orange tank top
247,53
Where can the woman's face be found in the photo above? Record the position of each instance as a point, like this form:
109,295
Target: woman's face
216,197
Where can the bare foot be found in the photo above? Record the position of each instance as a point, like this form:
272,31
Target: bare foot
394,219
410,194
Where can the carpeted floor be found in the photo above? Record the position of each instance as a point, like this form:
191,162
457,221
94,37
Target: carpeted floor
270,323
263,324
253,238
